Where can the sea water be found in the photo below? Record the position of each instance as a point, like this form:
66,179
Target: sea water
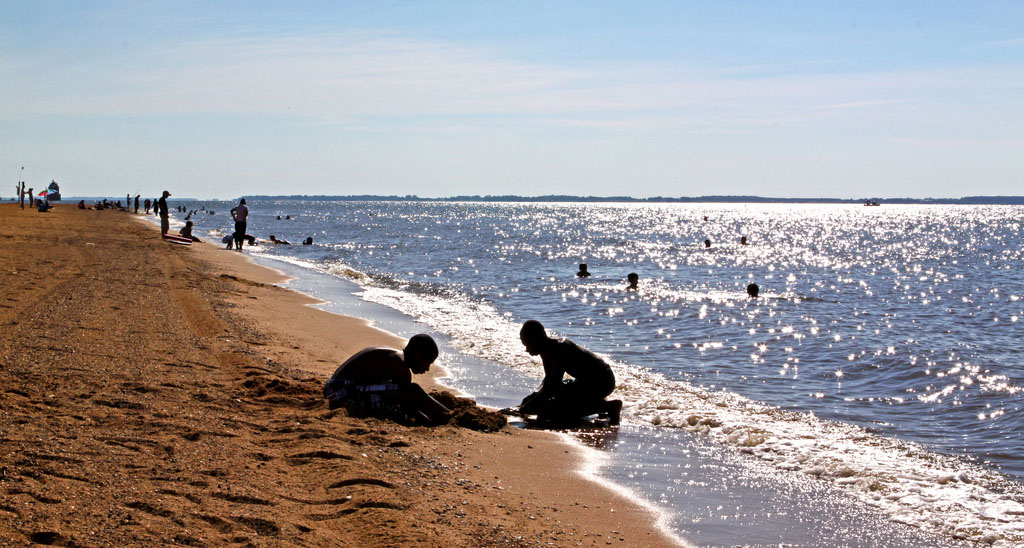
870,396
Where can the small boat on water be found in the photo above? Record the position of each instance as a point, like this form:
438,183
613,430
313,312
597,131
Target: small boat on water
871,203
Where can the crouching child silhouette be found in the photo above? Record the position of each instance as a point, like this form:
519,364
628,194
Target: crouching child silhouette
377,381
566,401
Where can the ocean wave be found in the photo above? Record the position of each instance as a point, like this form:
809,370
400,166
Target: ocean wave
903,480
936,493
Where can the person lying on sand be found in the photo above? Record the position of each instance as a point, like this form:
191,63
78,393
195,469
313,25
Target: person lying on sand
378,381
567,400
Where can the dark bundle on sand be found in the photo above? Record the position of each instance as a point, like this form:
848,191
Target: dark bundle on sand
467,414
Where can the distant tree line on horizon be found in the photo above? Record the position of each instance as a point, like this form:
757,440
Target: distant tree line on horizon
966,200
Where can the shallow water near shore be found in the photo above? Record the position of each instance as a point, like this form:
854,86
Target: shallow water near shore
873,392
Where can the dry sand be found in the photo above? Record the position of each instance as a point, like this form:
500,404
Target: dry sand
159,395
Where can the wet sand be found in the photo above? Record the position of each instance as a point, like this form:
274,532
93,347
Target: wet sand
155,394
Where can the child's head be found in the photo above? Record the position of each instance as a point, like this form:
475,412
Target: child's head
420,352
533,336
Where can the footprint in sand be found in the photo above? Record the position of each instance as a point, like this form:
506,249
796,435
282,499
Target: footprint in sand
49,538
261,526
241,499
360,481
150,509
220,524
41,498
300,459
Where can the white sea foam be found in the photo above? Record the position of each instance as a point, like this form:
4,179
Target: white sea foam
936,493
903,480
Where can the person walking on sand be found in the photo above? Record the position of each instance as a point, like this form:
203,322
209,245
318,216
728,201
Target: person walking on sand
567,400
240,213
378,381
161,204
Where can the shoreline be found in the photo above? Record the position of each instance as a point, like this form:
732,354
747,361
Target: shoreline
689,482
186,409
586,468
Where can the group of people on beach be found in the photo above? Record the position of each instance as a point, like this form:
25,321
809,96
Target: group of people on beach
234,240
378,381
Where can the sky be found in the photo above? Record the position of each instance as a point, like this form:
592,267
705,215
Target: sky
668,98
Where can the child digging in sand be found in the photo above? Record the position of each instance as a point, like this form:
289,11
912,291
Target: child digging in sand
561,400
378,381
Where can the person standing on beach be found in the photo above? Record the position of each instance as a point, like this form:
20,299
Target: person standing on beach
136,204
567,400
147,203
31,199
161,205
378,381
240,213
21,195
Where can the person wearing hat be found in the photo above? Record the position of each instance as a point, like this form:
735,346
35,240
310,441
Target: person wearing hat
165,223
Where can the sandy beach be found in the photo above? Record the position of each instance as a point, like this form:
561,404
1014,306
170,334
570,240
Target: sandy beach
159,395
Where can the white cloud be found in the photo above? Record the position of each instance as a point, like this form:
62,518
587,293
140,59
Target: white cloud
385,108
342,78
860,104
1008,43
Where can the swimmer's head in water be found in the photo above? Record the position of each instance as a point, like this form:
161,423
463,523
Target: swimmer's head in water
753,290
420,352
